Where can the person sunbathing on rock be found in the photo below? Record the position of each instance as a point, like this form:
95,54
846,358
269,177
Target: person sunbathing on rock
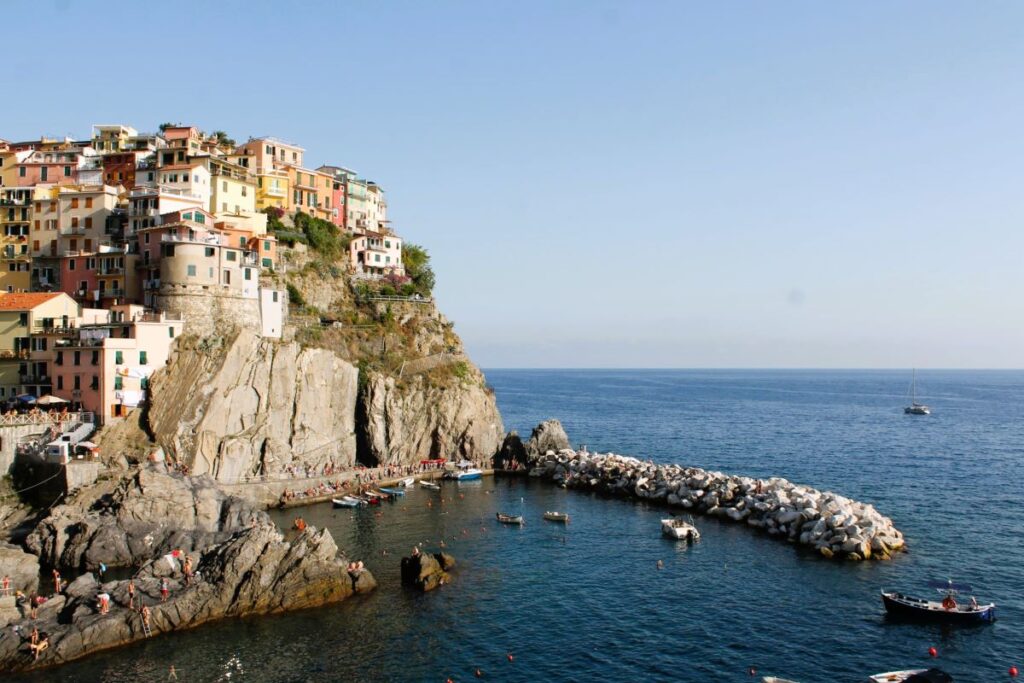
37,648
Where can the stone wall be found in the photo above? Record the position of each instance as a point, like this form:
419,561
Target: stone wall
209,312
11,436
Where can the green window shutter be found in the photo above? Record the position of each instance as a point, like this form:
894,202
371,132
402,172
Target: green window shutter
118,357
118,383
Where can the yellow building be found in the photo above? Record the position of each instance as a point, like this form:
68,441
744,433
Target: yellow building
15,222
273,189
22,315
233,197
311,192
113,138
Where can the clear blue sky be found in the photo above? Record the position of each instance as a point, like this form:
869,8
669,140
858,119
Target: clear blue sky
794,184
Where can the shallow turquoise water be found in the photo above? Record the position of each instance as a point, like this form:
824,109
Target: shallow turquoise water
587,602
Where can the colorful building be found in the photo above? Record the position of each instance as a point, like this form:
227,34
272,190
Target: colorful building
15,225
376,254
104,366
20,315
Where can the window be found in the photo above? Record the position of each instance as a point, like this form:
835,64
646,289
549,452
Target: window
376,258
210,251
274,297
95,357
146,238
21,172
78,382
74,221
78,357
191,271
224,185
60,382
118,383
266,245
142,357
248,273
118,357
67,171
88,222
95,383
267,263
88,202
170,332
231,255
210,274
71,264
23,319
43,173
74,202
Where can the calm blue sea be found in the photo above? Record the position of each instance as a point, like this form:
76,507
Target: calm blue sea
586,602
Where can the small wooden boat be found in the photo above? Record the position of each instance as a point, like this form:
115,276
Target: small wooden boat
556,516
347,502
430,485
947,610
912,676
681,530
393,492
510,519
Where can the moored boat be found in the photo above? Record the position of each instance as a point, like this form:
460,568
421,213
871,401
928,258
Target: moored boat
393,492
407,482
681,530
463,471
915,408
430,485
510,519
556,516
948,609
912,676
347,502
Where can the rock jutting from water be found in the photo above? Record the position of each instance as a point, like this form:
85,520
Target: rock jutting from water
832,524
427,572
254,572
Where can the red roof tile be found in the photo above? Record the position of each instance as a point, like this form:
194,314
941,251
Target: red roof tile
24,301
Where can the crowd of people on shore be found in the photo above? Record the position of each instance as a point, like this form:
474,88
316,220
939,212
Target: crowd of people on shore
359,479
181,564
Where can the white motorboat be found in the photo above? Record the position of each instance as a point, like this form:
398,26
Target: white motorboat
681,530
430,485
407,482
912,676
347,502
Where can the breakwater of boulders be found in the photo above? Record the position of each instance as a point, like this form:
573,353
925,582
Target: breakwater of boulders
835,526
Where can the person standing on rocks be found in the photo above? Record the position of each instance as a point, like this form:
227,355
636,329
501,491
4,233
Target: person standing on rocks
165,590
7,585
188,570
56,581
131,593
144,612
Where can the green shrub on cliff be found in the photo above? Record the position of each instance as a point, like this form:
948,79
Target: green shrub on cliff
322,235
295,296
416,260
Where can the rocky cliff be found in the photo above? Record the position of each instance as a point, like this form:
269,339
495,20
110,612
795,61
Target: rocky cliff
411,421
254,572
255,406
128,521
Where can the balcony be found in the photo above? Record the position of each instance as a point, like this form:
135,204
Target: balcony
211,240
274,192
110,270
15,201
72,232
34,379
8,354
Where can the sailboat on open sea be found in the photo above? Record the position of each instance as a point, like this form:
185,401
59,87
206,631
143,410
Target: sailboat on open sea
915,408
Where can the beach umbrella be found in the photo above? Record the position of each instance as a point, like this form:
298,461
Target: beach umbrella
49,400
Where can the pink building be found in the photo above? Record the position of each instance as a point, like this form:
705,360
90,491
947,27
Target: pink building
105,367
